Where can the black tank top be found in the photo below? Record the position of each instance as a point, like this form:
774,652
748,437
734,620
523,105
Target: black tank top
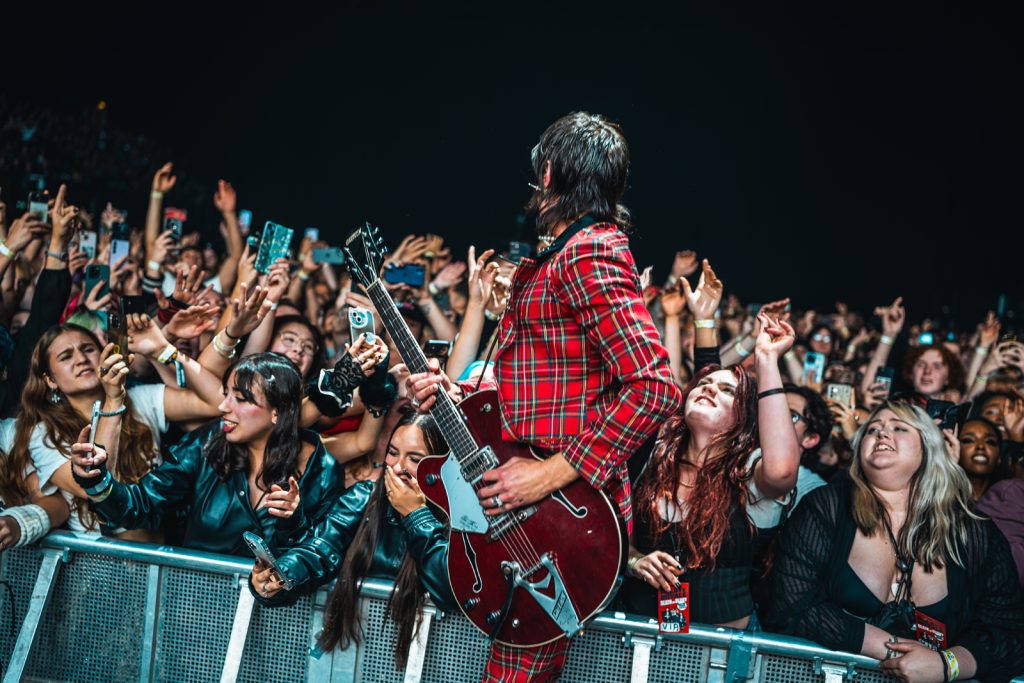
716,596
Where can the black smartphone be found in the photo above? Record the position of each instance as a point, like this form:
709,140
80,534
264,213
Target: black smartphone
439,349
948,414
412,274
117,331
332,255
518,250
137,304
95,272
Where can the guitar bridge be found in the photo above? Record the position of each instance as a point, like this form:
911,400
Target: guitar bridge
502,523
558,605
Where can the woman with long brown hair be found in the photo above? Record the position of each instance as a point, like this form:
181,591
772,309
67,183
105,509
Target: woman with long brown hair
397,537
708,498
73,382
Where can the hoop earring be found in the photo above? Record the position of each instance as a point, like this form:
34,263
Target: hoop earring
55,397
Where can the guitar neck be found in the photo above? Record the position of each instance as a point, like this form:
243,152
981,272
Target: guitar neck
447,416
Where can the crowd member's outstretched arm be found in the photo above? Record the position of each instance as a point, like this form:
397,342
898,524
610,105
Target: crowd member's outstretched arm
163,182
226,201
204,393
481,283
776,472
893,317
988,334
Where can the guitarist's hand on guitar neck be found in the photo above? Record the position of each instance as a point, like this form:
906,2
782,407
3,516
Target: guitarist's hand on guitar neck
523,481
423,387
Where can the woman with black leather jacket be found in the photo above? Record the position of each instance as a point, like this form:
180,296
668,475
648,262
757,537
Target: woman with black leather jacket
396,537
253,470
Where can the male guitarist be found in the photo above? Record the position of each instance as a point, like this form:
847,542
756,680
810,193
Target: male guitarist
579,366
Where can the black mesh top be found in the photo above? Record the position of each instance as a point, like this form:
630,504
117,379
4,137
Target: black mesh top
813,545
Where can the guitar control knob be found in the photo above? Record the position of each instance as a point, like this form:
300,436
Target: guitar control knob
493,617
470,604
430,479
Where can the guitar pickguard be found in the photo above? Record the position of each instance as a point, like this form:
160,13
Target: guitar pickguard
466,512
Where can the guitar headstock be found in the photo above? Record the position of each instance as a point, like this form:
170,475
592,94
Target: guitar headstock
364,251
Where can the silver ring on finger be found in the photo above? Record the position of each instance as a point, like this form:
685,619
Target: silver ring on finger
415,402
497,501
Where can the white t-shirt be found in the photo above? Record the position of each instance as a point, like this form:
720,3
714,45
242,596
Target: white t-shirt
148,406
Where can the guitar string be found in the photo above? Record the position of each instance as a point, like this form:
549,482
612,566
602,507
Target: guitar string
514,540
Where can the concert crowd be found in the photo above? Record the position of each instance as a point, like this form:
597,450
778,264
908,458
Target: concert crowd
851,477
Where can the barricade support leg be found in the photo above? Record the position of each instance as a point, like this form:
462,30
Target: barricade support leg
46,579
418,649
148,657
239,632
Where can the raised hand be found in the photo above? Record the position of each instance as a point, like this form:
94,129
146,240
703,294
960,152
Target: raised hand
450,275
163,180
988,331
248,311
673,302
77,259
93,301
144,336
62,216
247,272
775,338
845,417
282,502
893,316
1013,418
191,322
187,284
163,245
110,215
684,264
113,372
645,277
23,230
367,354
481,276
225,199
278,278
703,302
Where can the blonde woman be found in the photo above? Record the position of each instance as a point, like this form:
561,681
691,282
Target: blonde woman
893,563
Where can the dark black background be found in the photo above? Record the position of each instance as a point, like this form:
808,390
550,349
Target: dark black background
820,151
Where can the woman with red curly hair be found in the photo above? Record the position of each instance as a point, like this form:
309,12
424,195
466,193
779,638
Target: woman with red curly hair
710,496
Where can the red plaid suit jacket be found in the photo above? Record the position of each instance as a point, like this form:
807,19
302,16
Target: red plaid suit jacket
579,365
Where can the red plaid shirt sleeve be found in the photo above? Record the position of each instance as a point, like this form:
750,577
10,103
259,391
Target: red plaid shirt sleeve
596,279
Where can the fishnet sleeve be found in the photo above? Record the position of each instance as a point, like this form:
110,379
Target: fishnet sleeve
799,603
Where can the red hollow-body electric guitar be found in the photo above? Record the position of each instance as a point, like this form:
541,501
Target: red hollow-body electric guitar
528,576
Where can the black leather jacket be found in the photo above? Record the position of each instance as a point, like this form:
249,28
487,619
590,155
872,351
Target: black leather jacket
317,558
217,512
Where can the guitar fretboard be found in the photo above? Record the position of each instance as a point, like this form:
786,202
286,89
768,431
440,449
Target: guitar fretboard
448,417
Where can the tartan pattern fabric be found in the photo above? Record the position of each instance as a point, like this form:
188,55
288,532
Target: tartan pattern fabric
579,367
526,664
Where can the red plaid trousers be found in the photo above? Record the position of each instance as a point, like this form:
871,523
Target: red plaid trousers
526,664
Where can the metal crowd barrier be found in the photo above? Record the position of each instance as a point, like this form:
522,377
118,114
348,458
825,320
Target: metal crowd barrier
84,608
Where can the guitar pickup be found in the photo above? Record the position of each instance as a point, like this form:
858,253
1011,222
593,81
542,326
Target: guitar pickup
474,466
501,525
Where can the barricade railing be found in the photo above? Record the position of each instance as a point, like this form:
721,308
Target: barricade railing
80,607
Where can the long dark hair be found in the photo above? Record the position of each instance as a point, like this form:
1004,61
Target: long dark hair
720,483
589,169
62,424
342,623
279,380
